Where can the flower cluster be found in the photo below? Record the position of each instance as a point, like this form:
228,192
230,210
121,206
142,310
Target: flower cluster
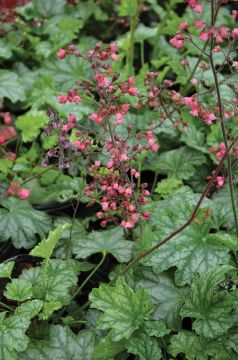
16,190
220,34
114,183
7,131
195,5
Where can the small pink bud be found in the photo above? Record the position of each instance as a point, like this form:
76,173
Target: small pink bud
23,193
61,53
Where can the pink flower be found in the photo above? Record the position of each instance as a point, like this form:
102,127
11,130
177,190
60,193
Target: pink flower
177,42
110,164
123,157
101,80
96,118
204,36
113,48
194,81
219,39
76,99
125,108
114,57
97,163
183,26
235,64
199,23
234,14
119,118
105,205
131,81
135,173
220,181
23,194
62,99
71,118
210,118
235,33
61,53
133,91
127,224
146,214
216,49
224,32
195,5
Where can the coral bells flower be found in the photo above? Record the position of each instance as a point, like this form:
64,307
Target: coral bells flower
96,118
183,26
61,53
177,41
62,99
199,23
195,5
23,194
221,152
220,181
235,33
15,190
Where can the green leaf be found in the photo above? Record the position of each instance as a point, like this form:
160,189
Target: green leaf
49,8
189,344
166,297
21,223
128,8
107,349
5,165
67,71
124,310
49,308
45,248
5,50
193,250
12,336
194,138
18,290
146,347
31,123
11,86
180,163
109,241
212,309
6,269
199,348
63,345
58,278
144,32
155,328
166,187
29,309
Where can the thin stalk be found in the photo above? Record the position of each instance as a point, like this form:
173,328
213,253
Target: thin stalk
154,182
36,175
69,244
90,275
142,53
130,53
222,121
6,306
188,84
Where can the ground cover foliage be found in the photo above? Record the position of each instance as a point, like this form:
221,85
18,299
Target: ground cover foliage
118,171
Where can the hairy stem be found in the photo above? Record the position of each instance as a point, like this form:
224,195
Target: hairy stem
222,121
130,54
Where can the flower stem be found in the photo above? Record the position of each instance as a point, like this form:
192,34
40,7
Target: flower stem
222,122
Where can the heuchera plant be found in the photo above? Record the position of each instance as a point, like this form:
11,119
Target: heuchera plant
113,185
